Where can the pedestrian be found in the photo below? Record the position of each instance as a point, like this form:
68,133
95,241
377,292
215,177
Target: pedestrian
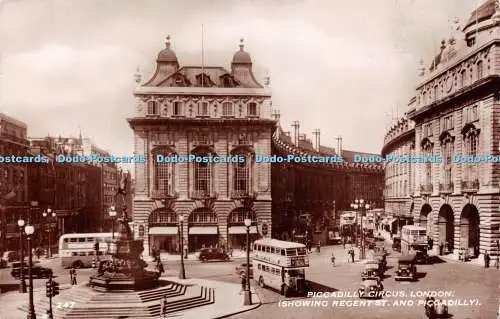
343,241
441,249
486,259
430,243
333,259
160,268
72,274
352,255
243,281
163,308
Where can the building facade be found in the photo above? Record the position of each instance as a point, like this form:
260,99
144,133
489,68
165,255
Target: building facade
399,177
13,180
201,111
457,123
317,192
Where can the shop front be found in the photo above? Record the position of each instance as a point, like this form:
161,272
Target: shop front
203,230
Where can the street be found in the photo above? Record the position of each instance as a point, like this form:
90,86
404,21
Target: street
463,282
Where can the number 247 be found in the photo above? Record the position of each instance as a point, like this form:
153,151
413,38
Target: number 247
61,305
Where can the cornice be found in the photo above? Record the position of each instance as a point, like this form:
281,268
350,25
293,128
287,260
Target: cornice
200,91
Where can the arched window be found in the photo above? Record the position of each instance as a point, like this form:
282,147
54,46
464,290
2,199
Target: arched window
162,217
463,78
242,173
202,175
227,109
447,148
252,109
471,138
202,216
239,215
163,179
479,70
153,108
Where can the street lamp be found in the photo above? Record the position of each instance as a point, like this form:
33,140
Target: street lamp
29,230
182,273
48,213
22,283
359,204
112,214
248,294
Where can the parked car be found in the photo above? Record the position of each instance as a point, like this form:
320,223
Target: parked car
10,256
371,271
406,267
370,288
396,243
242,269
213,254
37,271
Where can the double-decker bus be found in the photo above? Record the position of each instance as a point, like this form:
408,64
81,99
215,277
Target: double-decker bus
414,240
348,223
280,265
78,250
369,223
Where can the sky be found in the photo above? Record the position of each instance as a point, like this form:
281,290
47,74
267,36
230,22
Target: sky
344,67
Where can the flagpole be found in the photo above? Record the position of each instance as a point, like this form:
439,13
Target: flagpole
202,59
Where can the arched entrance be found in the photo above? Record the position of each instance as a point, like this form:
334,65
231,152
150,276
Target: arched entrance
237,230
446,222
425,218
469,230
203,229
163,231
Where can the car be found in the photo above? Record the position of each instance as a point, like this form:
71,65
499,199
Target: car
396,243
370,288
10,256
406,267
371,271
213,254
36,271
242,269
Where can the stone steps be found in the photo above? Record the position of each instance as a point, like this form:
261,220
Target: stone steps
171,291
205,297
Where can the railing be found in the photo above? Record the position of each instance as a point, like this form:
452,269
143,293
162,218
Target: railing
162,194
202,194
426,189
446,188
470,186
242,194
163,224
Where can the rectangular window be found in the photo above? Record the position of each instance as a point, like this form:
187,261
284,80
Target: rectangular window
164,177
463,78
479,70
252,109
177,111
202,177
153,108
475,115
227,109
203,109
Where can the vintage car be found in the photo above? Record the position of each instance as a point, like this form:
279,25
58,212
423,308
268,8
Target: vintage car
370,288
213,254
37,271
382,260
406,267
396,243
421,252
242,269
371,271
435,309
10,256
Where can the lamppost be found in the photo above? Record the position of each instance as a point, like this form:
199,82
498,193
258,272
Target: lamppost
112,214
48,213
22,283
182,273
361,205
248,294
29,230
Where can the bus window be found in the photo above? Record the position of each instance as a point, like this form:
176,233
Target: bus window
283,252
272,250
82,253
72,240
74,253
291,252
91,253
301,251
100,253
268,249
259,267
255,247
65,240
90,240
81,240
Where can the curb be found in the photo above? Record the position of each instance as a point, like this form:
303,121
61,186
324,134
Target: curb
238,312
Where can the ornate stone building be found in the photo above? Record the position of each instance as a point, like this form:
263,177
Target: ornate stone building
201,111
457,112
399,177
319,191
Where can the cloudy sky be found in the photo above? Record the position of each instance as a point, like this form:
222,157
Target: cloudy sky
341,66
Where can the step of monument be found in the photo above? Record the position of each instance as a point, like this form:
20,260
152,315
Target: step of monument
204,297
160,293
111,313
115,298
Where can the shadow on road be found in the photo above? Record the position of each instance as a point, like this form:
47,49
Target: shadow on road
8,287
316,286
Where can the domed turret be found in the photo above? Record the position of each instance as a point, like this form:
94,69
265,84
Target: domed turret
241,57
167,55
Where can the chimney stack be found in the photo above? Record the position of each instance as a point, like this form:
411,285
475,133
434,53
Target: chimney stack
316,134
339,145
296,127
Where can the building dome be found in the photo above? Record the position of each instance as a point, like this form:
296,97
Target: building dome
241,56
167,55
484,12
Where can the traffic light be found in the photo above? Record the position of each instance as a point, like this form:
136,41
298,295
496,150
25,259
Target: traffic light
55,288
48,289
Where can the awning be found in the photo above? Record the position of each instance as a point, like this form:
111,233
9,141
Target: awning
203,230
172,230
241,230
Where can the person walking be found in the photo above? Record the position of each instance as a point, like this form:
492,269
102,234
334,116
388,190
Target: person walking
243,281
486,259
160,268
164,307
352,255
333,259
72,274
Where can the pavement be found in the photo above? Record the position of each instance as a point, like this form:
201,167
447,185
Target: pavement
228,300
237,254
